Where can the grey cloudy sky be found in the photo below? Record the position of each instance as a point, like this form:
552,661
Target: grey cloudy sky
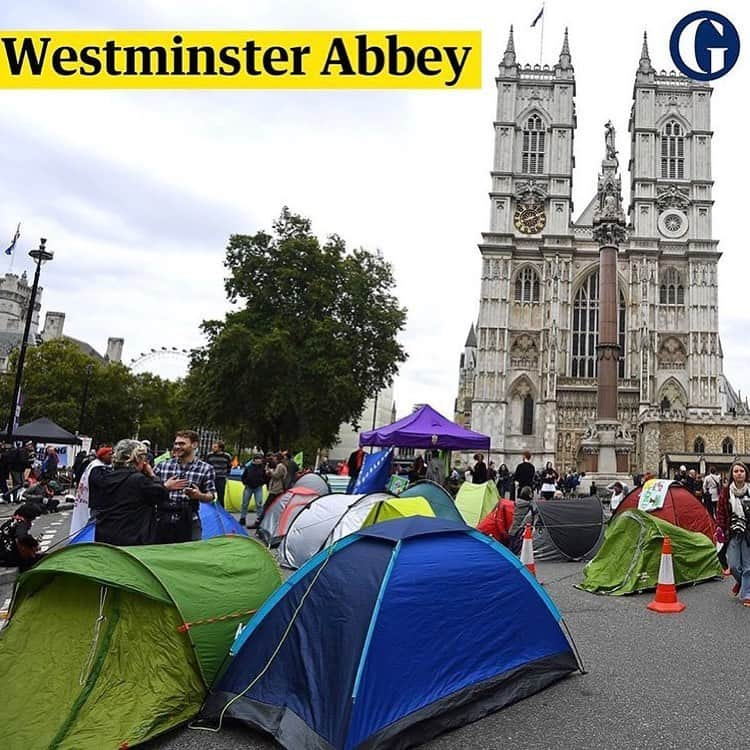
137,192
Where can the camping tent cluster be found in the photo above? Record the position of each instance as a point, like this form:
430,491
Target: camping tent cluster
681,508
150,628
323,675
310,524
630,557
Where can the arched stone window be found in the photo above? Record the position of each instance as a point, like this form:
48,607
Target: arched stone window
532,157
521,398
527,428
699,446
671,290
527,285
727,446
673,151
672,396
586,330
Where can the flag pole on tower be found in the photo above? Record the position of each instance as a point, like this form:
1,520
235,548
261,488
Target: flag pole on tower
540,17
10,250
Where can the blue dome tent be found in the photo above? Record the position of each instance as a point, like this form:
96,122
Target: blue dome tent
392,661
215,521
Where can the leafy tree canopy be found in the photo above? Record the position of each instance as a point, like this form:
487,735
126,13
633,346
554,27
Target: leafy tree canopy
314,336
118,403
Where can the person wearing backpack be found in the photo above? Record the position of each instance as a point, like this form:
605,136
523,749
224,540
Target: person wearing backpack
254,478
17,547
711,489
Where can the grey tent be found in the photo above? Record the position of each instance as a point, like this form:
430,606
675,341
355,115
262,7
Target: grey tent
44,430
568,529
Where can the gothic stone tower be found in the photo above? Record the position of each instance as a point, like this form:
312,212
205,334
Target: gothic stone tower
673,260
526,257
537,329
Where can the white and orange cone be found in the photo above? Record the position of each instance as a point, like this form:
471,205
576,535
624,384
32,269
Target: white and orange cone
666,601
527,550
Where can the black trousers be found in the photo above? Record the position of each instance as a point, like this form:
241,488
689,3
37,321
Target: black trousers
221,484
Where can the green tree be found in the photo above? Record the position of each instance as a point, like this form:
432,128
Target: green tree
118,403
54,381
160,408
315,335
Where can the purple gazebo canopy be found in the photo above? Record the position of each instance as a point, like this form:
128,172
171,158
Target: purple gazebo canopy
420,429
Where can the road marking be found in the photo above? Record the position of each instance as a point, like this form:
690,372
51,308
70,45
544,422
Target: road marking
4,613
45,539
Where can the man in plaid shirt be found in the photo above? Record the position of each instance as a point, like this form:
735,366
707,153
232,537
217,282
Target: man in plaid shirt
190,481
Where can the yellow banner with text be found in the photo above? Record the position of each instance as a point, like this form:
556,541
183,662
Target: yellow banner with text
99,59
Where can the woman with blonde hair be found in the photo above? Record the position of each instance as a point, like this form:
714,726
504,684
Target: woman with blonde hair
733,516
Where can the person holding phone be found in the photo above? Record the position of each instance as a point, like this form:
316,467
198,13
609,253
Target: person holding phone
190,482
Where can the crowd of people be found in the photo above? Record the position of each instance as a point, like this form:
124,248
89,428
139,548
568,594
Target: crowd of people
134,498
546,482
273,472
706,488
27,475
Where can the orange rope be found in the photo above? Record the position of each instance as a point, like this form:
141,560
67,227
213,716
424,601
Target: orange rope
187,625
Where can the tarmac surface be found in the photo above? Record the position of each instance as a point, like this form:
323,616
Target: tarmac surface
652,681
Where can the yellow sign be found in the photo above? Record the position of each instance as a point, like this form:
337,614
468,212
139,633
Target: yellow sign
444,60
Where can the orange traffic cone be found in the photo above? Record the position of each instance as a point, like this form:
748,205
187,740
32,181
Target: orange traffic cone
527,550
666,600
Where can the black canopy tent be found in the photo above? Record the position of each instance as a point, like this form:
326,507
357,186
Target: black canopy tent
44,430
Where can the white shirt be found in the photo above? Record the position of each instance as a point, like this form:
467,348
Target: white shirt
711,484
616,500
80,516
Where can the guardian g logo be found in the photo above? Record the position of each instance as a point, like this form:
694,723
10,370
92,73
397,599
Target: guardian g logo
704,45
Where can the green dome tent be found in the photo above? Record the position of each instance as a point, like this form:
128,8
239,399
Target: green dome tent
629,559
145,631
396,507
475,501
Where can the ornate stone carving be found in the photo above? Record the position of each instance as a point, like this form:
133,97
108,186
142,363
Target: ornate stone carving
531,191
609,234
672,397
590,432
524,352
672,197
672,354
609,218
521,388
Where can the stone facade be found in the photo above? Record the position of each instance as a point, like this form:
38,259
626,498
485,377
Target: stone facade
534,381
15,292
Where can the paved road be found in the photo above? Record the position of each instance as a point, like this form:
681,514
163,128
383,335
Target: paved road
653,681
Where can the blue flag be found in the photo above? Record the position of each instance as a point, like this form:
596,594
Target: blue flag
374,474
538,16
11,247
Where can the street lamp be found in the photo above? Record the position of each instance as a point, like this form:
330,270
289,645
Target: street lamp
85,396
40,255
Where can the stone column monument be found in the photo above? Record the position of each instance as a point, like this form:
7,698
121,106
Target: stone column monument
606,445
